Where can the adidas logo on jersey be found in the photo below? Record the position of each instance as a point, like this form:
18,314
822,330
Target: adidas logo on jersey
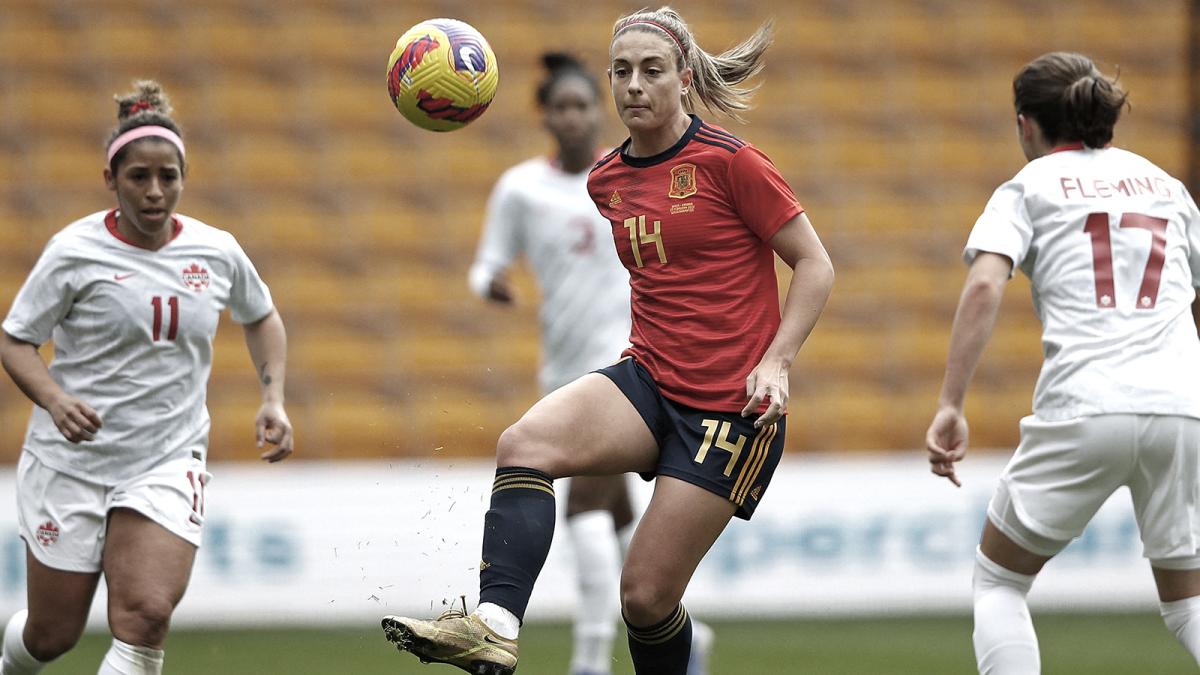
756,492
614,199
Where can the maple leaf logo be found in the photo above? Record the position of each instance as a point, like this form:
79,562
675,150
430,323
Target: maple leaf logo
47,533
195,277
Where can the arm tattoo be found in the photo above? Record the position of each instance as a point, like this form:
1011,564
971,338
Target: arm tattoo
262,374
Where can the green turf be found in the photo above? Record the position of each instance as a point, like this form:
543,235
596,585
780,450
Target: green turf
1099,644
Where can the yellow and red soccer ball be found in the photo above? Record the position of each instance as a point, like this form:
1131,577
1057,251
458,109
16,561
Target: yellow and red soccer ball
442,74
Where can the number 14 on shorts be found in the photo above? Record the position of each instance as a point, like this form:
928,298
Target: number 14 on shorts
719,430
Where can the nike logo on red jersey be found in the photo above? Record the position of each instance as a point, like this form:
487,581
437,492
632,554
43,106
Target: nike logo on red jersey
123,277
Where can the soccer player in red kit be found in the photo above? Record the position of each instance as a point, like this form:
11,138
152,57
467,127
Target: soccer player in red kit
698,216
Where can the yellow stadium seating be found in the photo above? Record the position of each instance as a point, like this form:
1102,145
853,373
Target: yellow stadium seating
892,121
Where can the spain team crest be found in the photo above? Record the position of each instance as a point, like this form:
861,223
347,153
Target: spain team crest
683,181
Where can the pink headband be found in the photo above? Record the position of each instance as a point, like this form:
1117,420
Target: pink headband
144,132
655,24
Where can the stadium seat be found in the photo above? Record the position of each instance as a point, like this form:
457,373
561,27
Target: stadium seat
230,39
349,102
275,162
892,121
256,103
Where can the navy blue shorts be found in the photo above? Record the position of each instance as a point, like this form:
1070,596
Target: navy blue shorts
721,452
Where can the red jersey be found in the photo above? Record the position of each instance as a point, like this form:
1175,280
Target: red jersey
691,225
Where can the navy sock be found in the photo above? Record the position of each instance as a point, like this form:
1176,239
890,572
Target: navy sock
516,537
665,647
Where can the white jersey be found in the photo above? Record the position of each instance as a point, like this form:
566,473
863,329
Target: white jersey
1111,244
540,211
133,332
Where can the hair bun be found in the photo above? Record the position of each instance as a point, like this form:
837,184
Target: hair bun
148,96
1092,105
559,65
560,60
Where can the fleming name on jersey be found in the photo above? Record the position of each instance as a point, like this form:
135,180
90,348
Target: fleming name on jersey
691,224
1111,243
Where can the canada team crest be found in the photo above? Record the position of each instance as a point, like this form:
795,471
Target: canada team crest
683,181
195,277
47,533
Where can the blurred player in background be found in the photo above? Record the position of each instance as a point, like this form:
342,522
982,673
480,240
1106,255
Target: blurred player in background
112,473
541,209
1111,244
697,216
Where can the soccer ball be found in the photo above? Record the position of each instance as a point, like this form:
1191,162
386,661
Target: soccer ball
442,74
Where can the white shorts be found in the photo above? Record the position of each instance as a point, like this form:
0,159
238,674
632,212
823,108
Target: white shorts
1064,471
63,519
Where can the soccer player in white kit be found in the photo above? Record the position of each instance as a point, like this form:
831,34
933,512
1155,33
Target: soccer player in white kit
1111,244
112,472
541,209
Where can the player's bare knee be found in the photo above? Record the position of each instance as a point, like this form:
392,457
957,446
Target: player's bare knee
49,647
518,446
142,622
47,641
645,601
511,448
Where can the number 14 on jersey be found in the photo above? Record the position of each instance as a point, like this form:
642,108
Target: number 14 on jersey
638,236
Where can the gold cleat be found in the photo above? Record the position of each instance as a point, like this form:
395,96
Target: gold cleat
455,638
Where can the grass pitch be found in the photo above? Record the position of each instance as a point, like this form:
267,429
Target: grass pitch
1096,644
